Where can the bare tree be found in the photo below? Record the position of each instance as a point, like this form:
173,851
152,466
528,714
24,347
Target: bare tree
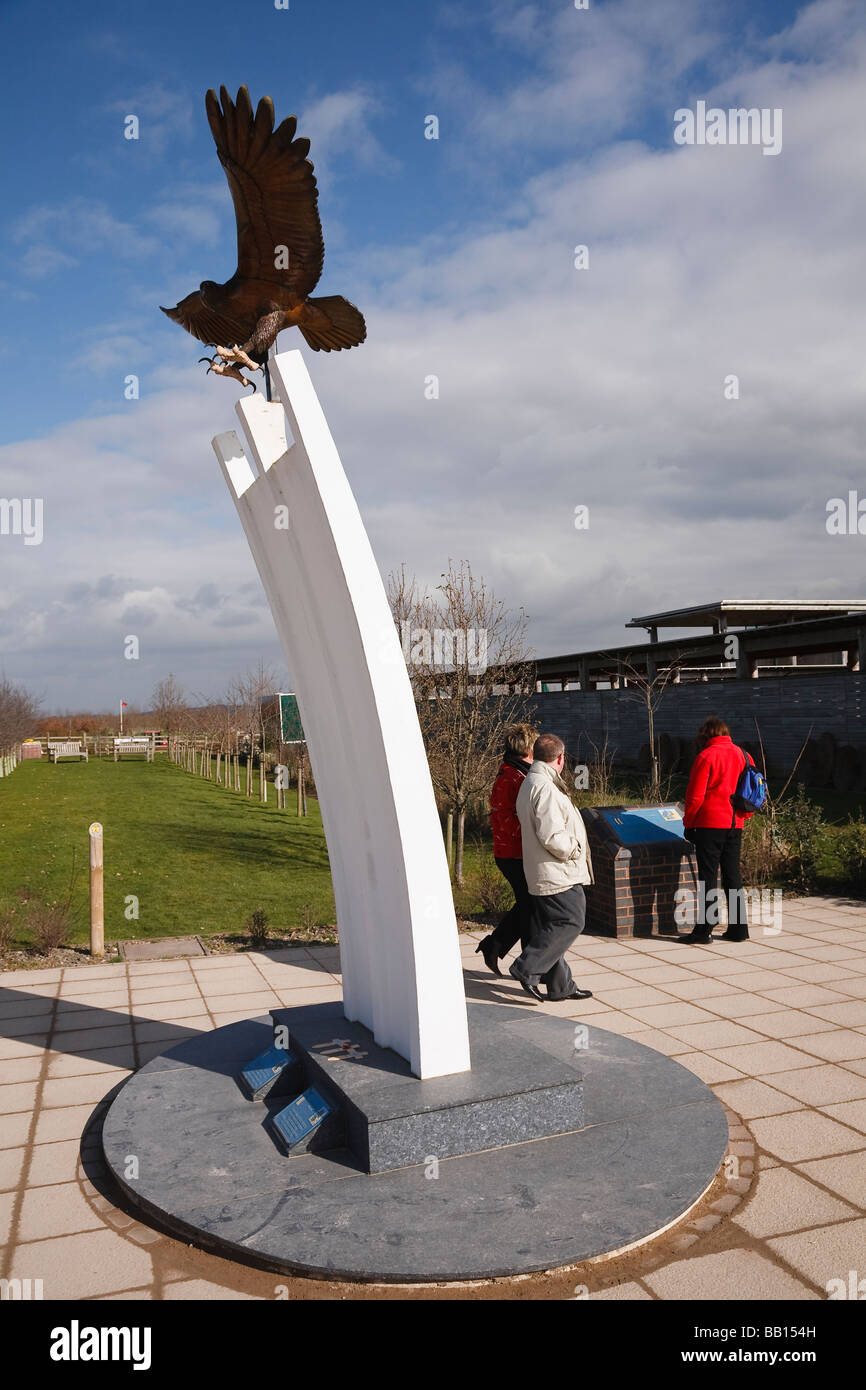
647,686
247,698
18,712
468,663
170,707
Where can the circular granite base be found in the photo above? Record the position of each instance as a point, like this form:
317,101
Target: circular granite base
207,1168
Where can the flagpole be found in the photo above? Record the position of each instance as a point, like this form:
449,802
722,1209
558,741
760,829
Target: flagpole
121,718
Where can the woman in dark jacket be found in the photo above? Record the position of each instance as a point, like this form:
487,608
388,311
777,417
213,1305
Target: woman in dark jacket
715,828
507,845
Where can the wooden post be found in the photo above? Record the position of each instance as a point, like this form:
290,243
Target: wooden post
263,781
449,839
218,759
97,914
249,788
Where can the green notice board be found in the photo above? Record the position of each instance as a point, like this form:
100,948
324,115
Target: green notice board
291,729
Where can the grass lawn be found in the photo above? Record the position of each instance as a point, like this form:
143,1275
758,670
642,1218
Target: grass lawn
199,858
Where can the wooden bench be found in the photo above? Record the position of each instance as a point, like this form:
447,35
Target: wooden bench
133,748
72,748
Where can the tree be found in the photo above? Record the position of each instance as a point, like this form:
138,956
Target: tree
247,699
648,686
18,712
471,677
170,709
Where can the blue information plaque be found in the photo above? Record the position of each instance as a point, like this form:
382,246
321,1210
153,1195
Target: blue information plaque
260,1074
642,825
299,1119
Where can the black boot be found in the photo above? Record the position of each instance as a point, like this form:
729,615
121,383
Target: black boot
490,952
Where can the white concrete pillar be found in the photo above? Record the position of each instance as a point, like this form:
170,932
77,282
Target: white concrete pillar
402,974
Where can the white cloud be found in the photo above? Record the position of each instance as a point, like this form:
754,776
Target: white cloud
558,387
195,212
165,116
338,128
64,232
593,74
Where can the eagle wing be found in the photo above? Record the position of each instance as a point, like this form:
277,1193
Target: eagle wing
274,192
210,325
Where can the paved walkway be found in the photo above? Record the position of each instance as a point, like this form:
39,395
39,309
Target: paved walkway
776,1026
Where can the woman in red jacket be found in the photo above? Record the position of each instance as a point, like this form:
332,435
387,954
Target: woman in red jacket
507,845
715,828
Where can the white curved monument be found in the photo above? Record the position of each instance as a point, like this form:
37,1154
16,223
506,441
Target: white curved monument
402,974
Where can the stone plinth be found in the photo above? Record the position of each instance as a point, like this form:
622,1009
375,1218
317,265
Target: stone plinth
652,1138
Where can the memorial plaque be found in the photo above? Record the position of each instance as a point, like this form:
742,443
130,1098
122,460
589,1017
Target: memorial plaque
299,1120
260,1075
645,825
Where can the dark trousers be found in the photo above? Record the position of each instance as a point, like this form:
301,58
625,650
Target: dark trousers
557,920
515,924
720,850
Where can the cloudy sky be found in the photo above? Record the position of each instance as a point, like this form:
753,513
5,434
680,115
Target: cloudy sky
602,387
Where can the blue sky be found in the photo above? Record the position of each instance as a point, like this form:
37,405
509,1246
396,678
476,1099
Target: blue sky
556,389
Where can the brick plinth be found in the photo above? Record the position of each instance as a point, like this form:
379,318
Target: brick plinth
635,888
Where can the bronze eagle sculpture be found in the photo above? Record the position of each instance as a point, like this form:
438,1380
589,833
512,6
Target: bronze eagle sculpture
280,247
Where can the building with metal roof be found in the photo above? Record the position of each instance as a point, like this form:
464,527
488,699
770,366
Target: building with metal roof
747,636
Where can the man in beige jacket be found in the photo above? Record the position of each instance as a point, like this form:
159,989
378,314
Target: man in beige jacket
557,864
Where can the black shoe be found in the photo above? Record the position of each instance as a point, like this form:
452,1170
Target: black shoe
728,937
527,985
697,938
490,952
575,994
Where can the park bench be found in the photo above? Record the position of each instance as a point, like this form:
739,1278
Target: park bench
133,748
71,748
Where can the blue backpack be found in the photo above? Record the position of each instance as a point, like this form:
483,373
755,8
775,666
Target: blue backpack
751,792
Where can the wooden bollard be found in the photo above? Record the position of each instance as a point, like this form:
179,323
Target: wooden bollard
97,898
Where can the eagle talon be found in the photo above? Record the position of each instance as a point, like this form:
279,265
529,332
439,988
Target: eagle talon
238,355
229,369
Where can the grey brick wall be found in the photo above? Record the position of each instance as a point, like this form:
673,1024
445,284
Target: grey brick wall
785,708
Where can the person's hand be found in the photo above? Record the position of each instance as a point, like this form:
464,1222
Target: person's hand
689,834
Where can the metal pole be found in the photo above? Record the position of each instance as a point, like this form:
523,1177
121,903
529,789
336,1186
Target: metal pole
97,917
